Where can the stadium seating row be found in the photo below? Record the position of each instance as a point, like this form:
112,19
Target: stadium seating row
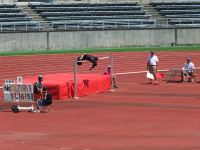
10,10
183,16
72,9
88,4
185,21
98,17
6,15
8,5
177,7
156,3
92,13
16,19
175,12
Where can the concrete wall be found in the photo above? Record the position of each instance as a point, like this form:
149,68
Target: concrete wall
97,39
112,38
23,41
188,37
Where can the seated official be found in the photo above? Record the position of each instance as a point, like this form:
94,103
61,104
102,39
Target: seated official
188,69
47,97
45,102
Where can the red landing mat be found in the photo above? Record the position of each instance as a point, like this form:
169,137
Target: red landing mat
61,85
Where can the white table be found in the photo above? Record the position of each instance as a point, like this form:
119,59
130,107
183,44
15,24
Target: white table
173,73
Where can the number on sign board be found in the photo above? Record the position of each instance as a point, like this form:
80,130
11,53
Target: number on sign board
22,97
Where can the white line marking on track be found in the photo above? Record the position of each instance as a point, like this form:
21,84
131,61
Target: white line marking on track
129,83
180,85
167,84
130,91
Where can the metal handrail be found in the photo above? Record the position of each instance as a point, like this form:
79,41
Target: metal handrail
99,24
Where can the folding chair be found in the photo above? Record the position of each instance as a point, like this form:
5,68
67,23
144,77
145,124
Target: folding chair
47,106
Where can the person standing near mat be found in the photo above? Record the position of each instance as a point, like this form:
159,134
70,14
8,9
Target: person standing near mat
38,87
90,58
152,65
107,72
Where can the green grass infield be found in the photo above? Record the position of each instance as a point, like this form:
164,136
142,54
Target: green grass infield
101,50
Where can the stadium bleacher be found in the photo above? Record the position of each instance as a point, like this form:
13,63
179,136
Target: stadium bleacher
8,5
12,19
10,10
183,16
98,17
156,3
177,7
16,19
185,21
176,12
74,9
8,15
179,13
88,4
102,15
93,15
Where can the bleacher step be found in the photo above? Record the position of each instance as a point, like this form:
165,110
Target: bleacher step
152,11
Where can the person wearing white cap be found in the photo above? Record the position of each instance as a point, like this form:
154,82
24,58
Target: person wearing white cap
152,65
188,69
107,72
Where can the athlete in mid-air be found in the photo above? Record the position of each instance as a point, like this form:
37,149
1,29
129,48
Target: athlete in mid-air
87,57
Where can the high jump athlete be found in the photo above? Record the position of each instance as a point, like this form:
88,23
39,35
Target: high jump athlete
90,58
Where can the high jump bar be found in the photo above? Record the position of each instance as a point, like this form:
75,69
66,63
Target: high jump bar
136,72
98,58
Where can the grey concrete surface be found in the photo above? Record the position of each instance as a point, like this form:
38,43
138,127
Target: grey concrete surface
26,41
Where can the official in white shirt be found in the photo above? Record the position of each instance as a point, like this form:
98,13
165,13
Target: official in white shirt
152,65
188,69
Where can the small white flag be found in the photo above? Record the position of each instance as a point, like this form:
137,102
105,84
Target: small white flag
149,75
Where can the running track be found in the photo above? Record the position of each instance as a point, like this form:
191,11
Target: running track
137,116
